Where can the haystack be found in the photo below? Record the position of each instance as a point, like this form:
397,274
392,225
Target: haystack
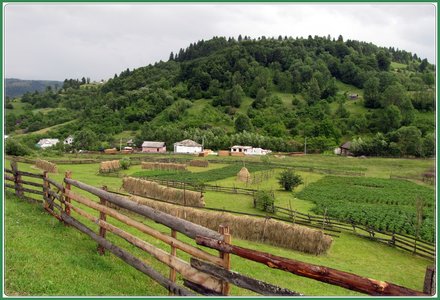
199,163
268,231
153,190
244,175
46,166
109,166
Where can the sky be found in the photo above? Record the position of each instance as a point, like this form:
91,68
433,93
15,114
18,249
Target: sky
58,41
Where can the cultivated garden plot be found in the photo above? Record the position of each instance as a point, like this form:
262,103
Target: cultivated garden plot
384,204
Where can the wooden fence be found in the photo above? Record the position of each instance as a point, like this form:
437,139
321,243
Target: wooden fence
205,273
200,187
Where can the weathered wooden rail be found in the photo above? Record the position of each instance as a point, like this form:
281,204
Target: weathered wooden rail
204,273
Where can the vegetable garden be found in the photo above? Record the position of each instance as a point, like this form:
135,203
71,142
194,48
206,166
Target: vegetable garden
383,204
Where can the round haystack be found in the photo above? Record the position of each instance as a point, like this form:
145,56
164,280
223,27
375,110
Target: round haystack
243,175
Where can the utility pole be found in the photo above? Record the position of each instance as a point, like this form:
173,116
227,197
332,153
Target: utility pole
305,145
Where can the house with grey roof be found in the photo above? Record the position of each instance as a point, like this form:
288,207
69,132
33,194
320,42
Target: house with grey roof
153,147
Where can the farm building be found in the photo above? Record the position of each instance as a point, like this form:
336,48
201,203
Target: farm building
47,143
68,140
187,146
153,147
345,149
353,96
130,143
248,150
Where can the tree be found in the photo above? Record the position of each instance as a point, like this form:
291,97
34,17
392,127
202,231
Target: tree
313,92
85,140
288,180
390,119
371,93
409,140
243,123
260,99
383,61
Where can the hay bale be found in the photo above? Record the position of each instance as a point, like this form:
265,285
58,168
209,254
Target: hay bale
110,151
199,163
223,153
153,190
268,231
46,166
244,175
163,166
109,166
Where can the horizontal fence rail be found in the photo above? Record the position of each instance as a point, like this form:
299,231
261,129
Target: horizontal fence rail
204,273
320,273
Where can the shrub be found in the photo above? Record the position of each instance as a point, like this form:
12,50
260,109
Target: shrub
264,201
125,163
289,180
13,147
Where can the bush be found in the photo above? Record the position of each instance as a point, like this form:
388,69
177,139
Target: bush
13,147
264,201
289,180
125,163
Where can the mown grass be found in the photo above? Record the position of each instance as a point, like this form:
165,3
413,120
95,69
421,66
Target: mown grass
348,253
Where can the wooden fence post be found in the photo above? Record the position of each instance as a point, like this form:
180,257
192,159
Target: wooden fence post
17,179
172,276
68,174
323,219
429,283
224,230
103,217
46,192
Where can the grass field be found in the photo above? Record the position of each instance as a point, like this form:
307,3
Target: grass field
46,246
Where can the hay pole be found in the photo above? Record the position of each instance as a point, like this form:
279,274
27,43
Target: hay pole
320,273
242,281
127,257
187,228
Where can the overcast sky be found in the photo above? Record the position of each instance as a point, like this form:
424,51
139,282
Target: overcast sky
54,41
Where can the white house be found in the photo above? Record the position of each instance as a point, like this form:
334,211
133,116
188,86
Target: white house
47,143
68,140
248,150
187,146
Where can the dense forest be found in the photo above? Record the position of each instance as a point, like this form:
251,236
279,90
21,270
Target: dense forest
269,92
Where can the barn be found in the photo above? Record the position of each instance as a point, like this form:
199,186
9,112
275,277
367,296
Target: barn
187,146
153,147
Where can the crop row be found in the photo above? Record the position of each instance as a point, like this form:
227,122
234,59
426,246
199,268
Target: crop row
368,190
382,204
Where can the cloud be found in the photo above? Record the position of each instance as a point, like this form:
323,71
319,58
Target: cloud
54,41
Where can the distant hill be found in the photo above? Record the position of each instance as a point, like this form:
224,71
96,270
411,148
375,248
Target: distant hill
17,87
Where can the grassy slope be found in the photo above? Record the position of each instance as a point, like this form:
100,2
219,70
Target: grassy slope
348,253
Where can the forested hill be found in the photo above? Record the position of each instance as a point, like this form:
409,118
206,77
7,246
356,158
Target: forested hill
268,92
17,87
